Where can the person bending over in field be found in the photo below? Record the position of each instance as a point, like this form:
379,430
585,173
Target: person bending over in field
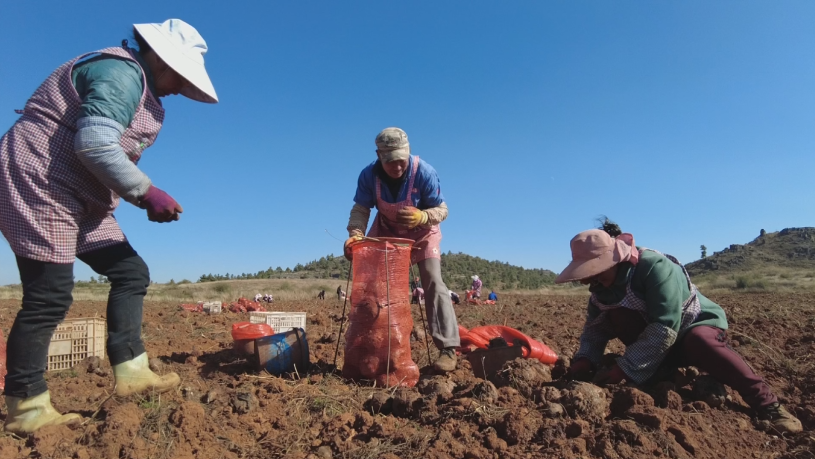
647,300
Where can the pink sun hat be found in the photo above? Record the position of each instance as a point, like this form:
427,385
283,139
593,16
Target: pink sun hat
594,251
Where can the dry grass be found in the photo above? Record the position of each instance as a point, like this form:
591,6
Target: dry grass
282,289
771,279
155,429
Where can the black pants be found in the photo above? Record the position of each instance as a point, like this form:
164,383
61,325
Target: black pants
46,298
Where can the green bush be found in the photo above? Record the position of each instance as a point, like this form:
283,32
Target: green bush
745,282
221,288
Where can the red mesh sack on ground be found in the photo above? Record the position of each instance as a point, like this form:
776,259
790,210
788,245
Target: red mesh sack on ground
248,330
192,307
481,336
234,307
246,305
381,272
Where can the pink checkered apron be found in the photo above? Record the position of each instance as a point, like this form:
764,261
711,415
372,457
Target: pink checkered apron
428,239
51,206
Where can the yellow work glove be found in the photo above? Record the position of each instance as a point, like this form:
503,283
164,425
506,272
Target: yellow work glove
347,246
411,217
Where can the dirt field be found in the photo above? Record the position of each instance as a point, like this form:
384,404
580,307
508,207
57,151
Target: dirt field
224,409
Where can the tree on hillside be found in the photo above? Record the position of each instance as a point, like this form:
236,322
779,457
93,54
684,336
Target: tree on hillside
704,251
456,269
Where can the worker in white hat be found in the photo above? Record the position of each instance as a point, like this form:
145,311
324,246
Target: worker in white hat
63,167
476,287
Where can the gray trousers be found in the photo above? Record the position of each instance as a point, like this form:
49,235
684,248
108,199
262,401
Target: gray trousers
441,317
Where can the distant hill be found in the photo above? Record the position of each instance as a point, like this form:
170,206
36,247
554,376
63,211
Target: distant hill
789,248
456,271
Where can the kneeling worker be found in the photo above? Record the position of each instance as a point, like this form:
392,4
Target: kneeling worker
647,300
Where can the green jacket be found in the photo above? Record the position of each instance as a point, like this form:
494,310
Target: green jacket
664,288
111,87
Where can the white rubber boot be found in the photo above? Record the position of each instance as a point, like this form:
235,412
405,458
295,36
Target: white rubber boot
26,415
135,376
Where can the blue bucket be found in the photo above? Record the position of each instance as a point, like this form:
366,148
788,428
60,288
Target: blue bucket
283,352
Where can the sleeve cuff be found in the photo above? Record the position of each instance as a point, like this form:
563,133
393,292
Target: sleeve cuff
642,359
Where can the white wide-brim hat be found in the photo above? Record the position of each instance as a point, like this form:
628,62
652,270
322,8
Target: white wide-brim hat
180,46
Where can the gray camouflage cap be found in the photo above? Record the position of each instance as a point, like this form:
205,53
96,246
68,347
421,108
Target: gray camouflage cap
392,144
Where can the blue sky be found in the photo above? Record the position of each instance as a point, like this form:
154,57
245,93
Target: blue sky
688,122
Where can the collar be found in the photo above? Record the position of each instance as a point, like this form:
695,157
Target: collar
624,272
148,75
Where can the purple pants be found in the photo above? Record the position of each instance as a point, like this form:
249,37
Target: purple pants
706,348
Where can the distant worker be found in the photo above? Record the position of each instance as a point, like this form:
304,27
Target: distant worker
321,295
476,288
492,296
258,296
66,162
418,296
414,284
406,193
339,292
454,297
647,301
268,298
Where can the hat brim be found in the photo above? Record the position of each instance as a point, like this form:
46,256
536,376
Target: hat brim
394,155
201,89
583,269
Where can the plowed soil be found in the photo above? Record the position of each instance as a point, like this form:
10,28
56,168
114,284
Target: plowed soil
226,409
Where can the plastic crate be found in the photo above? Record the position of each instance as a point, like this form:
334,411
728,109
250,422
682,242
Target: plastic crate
211,307
74,340
280,321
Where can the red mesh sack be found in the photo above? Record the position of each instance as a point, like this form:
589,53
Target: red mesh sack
248,330
192,307
381,272
246,305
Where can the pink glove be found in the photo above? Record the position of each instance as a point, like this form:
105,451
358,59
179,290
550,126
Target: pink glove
161,207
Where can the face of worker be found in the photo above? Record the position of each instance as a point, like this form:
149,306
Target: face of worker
166,80
605,278
395,169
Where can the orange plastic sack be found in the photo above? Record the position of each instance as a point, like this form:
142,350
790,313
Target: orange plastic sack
248,330
381,272
480,337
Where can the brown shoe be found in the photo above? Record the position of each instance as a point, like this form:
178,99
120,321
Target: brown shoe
781,420
447,361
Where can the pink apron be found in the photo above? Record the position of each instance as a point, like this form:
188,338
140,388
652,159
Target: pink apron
51,206
428,238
